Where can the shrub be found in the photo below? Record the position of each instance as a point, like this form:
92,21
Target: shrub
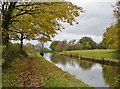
11,53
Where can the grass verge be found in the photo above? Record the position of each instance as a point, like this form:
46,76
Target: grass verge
110,55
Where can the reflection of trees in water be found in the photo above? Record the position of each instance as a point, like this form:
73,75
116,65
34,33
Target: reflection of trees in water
71,61
63,60
58,59
110,75
86,65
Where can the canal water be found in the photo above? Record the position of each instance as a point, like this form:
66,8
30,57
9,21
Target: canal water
94,74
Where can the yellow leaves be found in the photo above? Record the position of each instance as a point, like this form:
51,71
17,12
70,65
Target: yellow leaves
44,39
43,18
111,37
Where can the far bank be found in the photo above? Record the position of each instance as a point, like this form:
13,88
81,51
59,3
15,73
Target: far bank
104,56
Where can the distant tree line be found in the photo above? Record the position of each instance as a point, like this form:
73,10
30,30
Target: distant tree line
81,44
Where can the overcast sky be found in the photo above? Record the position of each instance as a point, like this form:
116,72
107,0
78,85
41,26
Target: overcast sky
97,17
92,23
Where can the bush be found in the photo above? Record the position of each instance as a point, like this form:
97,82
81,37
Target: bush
11,53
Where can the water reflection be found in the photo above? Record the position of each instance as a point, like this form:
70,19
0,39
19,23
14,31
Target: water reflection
111,75
86,65
94,74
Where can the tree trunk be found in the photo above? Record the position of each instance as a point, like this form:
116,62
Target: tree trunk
5,38
6,21
21,41
42,46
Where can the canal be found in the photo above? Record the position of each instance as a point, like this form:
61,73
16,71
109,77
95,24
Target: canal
93,74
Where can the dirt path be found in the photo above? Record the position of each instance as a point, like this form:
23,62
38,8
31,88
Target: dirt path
31,76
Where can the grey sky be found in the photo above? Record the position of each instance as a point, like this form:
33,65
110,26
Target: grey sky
97,17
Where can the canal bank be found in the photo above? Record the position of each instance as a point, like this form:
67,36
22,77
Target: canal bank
92,59
107,57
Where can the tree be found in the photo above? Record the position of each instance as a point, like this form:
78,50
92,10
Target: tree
70,45
59,46
110,37
101,45
117,16
63,45
44,17
43,40
53,45
7,10
78,46
117,12
87,43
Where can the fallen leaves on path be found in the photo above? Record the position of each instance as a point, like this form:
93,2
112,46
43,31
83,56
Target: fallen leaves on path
31,75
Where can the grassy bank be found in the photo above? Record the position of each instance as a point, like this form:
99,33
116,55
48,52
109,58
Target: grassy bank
35,71
95,54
